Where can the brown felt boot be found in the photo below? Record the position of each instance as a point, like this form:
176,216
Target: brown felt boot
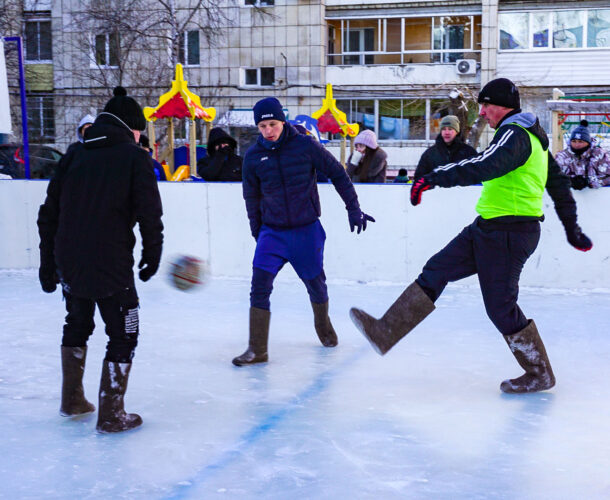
406,313
528,349
324,328
112,416
259,337
73,402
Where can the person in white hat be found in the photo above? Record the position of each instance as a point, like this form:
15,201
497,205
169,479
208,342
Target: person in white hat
368,163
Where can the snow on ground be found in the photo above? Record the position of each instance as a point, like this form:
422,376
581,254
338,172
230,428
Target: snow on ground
425,421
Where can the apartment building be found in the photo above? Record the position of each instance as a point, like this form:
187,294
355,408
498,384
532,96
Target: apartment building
396,66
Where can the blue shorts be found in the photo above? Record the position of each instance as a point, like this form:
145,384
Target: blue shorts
302,246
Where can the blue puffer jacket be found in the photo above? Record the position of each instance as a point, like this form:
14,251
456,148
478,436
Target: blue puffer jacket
279,181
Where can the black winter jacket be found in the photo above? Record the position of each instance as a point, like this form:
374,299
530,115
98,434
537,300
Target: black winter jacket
279,181
441,154
101,189
509,149
221,165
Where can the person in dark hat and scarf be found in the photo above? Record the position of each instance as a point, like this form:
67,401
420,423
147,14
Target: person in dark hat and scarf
86,225
586,164
514,170
221,163
283,206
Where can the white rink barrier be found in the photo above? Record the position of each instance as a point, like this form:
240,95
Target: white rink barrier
209,220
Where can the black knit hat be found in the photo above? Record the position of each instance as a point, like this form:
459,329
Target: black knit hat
501,92
126,108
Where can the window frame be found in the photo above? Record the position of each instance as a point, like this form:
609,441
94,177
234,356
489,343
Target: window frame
258,4
37,103
551,25
107,53
258,83
341,27
38,20
183,40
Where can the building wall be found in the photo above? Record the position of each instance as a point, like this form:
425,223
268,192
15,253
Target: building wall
561,69
292,38
209,220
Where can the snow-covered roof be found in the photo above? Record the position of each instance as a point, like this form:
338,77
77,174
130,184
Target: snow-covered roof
237,118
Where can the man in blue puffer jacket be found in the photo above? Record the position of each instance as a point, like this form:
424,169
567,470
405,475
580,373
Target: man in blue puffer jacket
283,205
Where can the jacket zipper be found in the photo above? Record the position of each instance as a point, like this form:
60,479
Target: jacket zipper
277,156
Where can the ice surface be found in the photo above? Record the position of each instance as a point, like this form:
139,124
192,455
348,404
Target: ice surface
425,421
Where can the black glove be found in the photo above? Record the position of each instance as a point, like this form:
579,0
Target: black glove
417,189
358,219
48,279
579,182
47,274
149,264
224,149
578,239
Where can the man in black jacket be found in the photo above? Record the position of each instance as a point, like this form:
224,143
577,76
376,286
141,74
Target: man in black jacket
99,192
448,148
221,164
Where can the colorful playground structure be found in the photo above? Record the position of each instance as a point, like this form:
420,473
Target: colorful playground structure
182,104
332,120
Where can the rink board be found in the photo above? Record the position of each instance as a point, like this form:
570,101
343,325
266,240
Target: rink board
209,220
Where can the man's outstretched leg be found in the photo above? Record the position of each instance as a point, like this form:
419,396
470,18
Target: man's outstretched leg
452,263
410,309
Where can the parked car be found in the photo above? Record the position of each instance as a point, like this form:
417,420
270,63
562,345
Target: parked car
43,161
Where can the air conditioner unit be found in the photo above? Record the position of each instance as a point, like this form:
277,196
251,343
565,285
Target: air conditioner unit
466,66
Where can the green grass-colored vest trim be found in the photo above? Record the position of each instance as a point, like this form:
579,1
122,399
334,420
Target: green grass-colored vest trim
520,191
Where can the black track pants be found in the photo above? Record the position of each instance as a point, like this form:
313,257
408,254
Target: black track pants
120,314
497,256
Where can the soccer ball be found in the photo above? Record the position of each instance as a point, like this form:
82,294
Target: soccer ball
186,272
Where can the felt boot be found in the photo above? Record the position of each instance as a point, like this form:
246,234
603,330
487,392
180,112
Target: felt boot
324,328
528,349
112,416
73,402
406,313
259,337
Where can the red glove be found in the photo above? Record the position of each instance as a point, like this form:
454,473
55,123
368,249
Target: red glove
417,189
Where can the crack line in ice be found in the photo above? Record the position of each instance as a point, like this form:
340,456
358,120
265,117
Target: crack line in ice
315,388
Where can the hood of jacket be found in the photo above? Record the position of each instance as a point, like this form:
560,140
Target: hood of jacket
107,130
218,135
530,122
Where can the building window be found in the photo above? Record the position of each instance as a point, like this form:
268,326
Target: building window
259,77
188,48
38,41
41,118
260,3
563,29
598,28
107,49
404,40
399,119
